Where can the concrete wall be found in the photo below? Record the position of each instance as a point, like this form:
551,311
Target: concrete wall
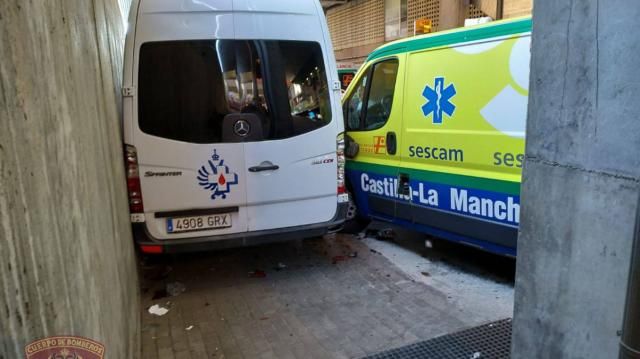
356,28
66,254
581,179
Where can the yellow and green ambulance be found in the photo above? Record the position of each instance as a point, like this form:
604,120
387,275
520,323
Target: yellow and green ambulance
439,122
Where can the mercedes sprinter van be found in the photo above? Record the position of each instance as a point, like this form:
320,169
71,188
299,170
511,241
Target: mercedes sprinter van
232,123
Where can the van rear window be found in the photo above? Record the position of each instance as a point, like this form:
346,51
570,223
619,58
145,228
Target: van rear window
195,91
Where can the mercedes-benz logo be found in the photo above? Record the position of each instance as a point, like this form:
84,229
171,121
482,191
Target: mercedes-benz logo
241,128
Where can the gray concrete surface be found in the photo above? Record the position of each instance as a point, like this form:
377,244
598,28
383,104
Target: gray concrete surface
581,180
323,304
480,284
66,255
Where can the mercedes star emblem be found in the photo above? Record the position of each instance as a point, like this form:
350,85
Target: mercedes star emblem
241,128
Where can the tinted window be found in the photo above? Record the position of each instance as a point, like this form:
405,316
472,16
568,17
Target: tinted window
193,91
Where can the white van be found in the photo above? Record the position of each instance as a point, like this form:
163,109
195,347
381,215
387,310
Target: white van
232,123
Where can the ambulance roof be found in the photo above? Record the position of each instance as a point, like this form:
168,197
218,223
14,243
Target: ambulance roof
459,35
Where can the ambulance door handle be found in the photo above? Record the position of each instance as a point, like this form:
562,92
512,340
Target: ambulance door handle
391,143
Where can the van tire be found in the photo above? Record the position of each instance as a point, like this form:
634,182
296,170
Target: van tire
354,223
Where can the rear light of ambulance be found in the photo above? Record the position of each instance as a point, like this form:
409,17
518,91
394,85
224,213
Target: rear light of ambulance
340,145
133,184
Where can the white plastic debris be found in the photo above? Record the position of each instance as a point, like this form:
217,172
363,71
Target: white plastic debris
428,244
158,310
189,328
476,355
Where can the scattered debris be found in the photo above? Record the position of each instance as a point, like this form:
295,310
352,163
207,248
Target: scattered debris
188,328
337,259
370,232
280,266
428,243
426,274
353,254
158,310
476,355
264,318
175,289
374,251
257,274
386,233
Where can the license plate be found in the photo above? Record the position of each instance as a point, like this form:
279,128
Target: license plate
198,223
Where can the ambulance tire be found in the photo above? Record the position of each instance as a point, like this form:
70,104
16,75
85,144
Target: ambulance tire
354,223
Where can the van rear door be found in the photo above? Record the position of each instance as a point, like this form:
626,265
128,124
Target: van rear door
292,170
192,177
291,166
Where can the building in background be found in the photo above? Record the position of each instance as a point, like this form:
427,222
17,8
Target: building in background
359,26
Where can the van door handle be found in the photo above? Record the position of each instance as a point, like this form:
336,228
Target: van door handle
391,143
263,168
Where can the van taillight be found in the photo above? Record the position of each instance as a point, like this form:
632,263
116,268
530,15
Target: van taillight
133,184
341,162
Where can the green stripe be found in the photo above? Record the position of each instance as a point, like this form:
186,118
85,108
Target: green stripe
487,184
448,38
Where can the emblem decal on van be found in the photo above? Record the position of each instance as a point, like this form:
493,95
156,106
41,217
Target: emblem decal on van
438,100
216,178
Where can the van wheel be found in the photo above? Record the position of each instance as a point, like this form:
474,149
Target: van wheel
354,223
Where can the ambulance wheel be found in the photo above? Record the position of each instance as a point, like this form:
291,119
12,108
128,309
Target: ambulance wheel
354,223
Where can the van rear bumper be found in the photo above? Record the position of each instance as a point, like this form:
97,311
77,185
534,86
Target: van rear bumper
143,238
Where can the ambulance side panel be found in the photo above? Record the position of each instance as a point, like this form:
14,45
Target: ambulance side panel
463,143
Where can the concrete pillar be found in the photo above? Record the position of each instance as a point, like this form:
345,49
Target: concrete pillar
581,179
67,263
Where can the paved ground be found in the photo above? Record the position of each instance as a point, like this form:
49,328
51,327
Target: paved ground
334,297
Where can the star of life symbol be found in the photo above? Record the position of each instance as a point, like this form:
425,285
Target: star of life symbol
438,100
216,177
